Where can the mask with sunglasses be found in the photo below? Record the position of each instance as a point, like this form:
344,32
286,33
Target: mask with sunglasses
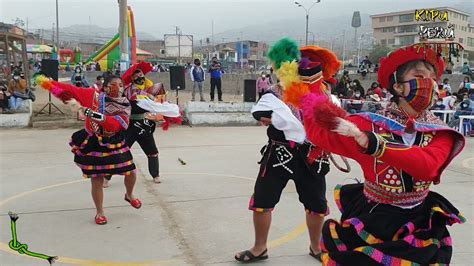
422,93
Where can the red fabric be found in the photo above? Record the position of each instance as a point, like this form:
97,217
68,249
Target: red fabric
111,124
67,92
127,76
423,163
169,121
389,64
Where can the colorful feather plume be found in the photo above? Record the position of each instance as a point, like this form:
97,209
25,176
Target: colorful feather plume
169,121
285,50
288,74
294,93
56,88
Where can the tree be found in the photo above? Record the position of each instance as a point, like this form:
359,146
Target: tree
378,52
18,22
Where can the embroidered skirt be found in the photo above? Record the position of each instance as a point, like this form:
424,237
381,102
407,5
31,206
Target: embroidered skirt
99,156
380,234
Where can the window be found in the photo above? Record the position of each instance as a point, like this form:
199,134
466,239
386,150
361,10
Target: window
382,19
407,18
388,29
406,40
461,40
407,28
391,41
390,18
383,42
470,41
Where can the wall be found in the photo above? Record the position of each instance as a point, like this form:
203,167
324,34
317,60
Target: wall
233,84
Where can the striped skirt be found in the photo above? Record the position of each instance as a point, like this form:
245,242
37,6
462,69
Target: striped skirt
99,156
380,234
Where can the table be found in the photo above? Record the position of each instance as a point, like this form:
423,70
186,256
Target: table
446,114
461,122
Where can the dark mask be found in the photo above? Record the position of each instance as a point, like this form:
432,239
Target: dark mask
139,80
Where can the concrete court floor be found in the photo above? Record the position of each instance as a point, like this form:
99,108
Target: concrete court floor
197,216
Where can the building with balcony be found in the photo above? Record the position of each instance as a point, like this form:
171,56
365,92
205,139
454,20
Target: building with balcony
401,28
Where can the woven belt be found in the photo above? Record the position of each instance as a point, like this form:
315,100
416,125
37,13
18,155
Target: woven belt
377,193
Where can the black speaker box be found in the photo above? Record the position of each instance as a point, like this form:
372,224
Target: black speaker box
250,90
49,68
177,81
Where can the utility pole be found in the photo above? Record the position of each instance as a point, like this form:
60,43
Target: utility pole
178,32
26,27
123,30
57,27
241,50
343,48
53,35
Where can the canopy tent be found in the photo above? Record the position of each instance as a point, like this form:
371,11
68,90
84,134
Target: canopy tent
143,52
39,48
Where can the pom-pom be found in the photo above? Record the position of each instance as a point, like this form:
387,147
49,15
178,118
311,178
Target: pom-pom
321,111
295,93
288,74
285,50
44,82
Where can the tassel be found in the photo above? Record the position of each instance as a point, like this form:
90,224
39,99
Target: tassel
168,120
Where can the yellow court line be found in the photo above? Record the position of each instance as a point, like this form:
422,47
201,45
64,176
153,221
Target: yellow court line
272,244
465,163
288,237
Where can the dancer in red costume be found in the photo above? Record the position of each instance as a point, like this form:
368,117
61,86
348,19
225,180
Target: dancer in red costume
392,218
100,149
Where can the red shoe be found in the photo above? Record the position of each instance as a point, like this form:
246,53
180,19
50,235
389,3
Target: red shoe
100,220
136,203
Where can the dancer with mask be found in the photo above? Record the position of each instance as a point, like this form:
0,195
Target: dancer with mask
142,124
392,218
100,149
288,154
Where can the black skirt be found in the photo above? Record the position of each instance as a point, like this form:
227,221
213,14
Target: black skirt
101,156
380,234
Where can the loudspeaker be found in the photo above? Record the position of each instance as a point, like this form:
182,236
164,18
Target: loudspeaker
49,68
177,81
250,90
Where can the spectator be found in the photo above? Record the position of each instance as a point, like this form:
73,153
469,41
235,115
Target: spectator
438,106
376,68
357,87
343,85
449,101
98,84
466,70
4,98
464,108
449,68
373,103
263,83
197,76
78,79
18,90
446,85
373,86
464,87
216,75
97,67
356,103
367,62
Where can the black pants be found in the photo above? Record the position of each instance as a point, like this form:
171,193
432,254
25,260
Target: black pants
141,131
216,82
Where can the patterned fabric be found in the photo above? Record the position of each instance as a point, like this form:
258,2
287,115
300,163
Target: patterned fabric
379,234
395,113
99,156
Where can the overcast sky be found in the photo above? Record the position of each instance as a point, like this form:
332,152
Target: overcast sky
158,17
